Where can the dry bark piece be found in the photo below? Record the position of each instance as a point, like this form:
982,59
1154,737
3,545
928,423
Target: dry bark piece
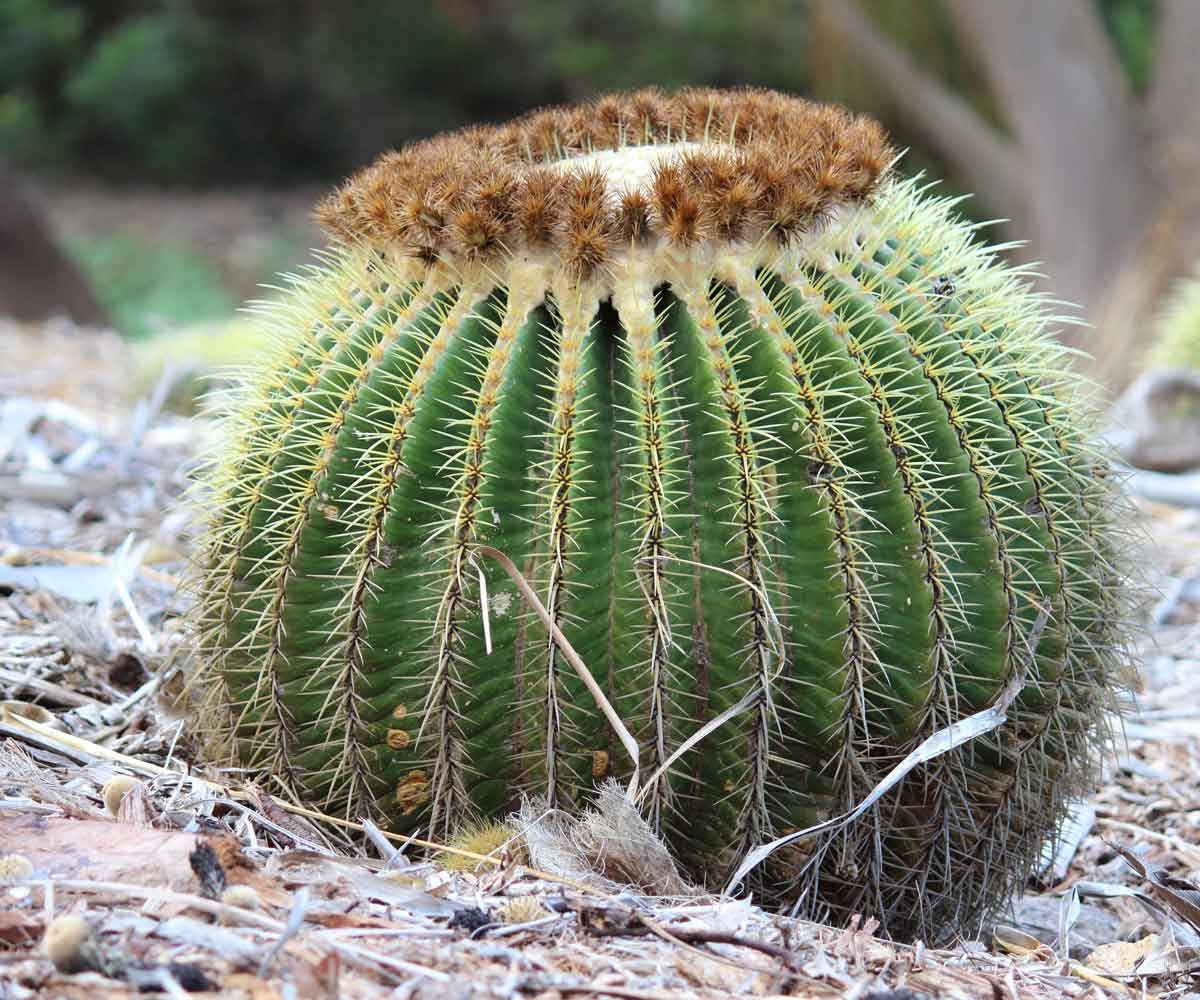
100,849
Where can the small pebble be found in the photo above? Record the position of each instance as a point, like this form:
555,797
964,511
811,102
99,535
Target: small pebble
15,866
114,791
68,944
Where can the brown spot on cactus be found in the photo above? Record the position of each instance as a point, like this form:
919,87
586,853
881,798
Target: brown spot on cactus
681,358
412,792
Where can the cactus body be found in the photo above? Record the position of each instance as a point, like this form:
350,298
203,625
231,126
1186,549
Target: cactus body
760,424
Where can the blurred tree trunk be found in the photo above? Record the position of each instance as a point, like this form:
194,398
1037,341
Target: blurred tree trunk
1101,183
36,279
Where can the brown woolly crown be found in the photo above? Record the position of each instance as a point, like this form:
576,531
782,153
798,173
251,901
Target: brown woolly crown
689,169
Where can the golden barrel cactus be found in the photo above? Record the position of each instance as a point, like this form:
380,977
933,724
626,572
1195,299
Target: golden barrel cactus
769,432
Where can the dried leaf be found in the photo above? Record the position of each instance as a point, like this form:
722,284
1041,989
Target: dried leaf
1013,941
19,929
1122,958
1181,896
198,934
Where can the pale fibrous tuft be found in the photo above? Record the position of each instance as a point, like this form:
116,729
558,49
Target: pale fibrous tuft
522,910
792,460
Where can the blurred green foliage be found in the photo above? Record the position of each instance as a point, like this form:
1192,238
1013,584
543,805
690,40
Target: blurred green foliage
1177,328
218,92
150,283
1130,25
147,288
215,91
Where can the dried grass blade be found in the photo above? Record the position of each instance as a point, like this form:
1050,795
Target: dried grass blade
941,742
573,658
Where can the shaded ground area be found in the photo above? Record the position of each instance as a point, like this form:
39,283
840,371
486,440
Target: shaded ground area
92,544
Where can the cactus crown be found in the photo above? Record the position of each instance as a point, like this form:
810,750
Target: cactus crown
775,439
585,186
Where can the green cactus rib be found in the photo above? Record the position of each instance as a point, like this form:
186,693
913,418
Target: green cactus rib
837,484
